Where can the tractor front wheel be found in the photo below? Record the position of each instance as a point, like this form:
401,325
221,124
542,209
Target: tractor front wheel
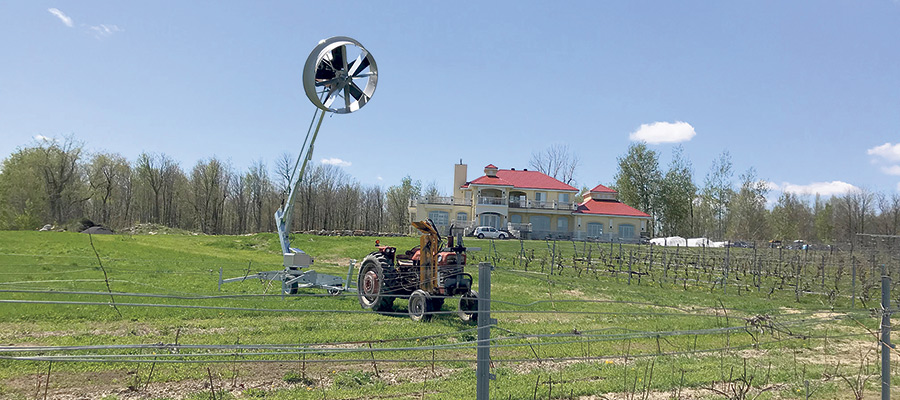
420,306
468,306
375,281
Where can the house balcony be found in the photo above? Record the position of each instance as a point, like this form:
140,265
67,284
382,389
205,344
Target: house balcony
542,205
445,200
491,201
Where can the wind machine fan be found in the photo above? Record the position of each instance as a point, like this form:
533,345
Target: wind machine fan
339,77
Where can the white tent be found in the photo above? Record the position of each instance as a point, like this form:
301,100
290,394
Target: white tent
699,242
669,241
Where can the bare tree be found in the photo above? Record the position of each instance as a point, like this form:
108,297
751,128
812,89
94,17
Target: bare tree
557,161
108,176
717,193
209,187
747,215
62,176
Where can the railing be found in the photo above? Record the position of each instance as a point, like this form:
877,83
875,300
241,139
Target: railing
542,205
545,205
492,201
456,201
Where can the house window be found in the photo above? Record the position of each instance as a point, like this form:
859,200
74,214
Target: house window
540,224
515,219
626,231
594,229
563,198
492,220
439,217
462,217
540,197
562,224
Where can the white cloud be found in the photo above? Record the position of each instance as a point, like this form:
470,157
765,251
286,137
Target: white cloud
664,132
103,30
336,161
62,17
823,188
772,186
42,138
379,178
892,170
887,151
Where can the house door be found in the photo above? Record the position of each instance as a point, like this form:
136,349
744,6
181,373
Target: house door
492,220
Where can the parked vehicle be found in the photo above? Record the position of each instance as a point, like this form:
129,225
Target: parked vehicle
489,232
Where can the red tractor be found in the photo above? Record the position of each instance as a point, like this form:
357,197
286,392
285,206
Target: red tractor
428,274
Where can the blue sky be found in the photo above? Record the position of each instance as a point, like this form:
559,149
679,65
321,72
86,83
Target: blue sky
807,92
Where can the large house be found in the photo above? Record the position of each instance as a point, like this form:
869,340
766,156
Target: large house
532,205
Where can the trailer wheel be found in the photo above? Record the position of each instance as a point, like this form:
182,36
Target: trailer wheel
420,306
375,282
289,289
468,306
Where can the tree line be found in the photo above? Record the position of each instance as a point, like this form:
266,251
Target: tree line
722,209
58,182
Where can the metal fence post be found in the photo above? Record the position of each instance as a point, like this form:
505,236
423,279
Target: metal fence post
853,284
885,335
483,366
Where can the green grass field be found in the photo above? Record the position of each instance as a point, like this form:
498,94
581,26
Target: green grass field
569,333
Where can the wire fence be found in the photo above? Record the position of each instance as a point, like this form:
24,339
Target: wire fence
537,335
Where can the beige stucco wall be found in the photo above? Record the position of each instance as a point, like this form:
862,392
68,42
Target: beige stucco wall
577,223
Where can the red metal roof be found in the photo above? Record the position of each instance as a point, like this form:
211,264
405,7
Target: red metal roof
602,189
522,180
609,207
491,166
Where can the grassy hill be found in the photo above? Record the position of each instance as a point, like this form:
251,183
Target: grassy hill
575,320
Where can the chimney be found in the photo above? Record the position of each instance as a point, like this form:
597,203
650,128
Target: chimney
459,178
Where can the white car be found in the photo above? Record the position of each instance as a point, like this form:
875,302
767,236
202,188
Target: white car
489,232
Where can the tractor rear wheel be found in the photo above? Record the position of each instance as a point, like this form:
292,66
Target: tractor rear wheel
375,283
468,306
420,306
437,302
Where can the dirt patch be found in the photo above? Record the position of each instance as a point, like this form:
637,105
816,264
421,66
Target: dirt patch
133,385
685,394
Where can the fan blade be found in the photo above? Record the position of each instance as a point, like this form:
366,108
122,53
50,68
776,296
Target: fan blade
339,58
355,91
333,94
359,64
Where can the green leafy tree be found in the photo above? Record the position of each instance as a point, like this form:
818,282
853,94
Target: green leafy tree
676,195
23,198
824,219
638,178
398,198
